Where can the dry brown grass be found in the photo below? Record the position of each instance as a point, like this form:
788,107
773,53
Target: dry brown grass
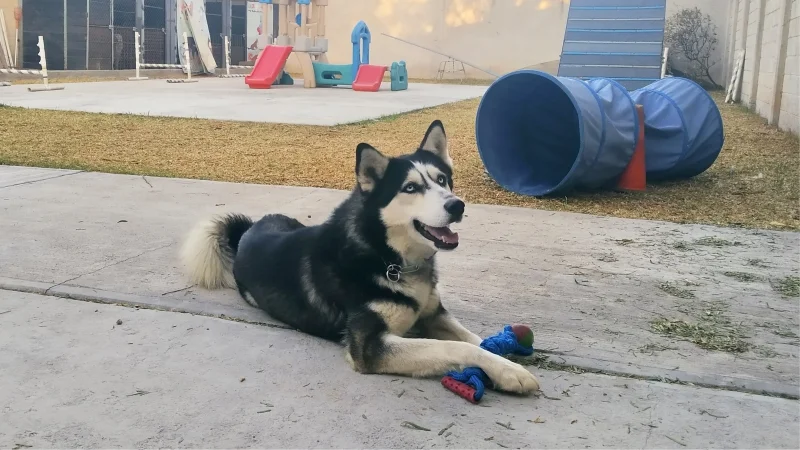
754,183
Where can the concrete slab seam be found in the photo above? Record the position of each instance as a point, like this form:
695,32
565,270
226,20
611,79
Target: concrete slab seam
44,179
765,388
167,304
256,317
111,265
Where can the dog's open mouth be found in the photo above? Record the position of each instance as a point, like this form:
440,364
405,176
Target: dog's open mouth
442,237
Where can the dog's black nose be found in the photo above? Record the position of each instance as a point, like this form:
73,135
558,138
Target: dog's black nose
455,208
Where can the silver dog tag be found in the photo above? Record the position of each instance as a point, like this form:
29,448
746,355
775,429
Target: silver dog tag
393,273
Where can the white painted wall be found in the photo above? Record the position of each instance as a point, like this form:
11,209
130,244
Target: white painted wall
498,35
718,10
8,7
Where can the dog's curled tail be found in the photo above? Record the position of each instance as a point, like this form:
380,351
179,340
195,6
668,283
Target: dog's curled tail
209,250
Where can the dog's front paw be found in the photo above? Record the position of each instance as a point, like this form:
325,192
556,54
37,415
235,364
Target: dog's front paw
512,377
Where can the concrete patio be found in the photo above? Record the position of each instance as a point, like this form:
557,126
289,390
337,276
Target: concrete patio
95,353
231,99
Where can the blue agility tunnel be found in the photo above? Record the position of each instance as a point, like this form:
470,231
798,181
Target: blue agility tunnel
538,134
683,128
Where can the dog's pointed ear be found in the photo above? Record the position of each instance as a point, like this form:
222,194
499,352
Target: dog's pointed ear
435,141
370,166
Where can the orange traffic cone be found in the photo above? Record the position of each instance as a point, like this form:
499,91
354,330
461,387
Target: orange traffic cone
635,175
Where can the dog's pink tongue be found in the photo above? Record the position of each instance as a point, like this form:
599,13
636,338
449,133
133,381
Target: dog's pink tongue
444,234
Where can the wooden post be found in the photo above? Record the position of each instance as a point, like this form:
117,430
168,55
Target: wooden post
731,41
743,41
187,56
17,21
732,92
227,44
43,63
137,52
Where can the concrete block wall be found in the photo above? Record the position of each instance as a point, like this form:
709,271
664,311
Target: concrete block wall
770,48
789,115
752,51
769,32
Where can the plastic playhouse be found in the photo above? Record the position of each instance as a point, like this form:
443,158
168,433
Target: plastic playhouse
301,31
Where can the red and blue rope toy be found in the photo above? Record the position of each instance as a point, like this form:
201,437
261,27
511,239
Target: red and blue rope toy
471,382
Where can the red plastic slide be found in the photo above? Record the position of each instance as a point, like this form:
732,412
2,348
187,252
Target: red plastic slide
268,66
369,78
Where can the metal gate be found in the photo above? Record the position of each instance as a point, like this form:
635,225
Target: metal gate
215,28
98,34
43,18
99,37
238,32
123,25
110,26
75,33
154,32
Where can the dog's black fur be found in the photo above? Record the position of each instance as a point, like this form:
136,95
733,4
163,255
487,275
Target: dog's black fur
268,260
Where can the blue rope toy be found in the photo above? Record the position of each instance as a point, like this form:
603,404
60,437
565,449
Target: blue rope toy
471,382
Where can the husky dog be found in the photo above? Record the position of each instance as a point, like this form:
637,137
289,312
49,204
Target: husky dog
367,276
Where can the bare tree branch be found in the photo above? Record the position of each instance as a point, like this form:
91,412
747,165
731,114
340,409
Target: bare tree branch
693,35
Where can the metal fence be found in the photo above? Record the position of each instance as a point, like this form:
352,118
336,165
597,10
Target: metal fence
109,37
43,18
215,28
89,34
123,26
238,35
154,33
76,36
98,34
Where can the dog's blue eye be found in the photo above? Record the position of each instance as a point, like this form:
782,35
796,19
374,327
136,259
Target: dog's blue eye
410,188
441,179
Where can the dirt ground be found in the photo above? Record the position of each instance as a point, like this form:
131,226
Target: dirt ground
755,181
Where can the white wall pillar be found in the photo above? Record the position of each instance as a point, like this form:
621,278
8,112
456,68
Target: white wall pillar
756,56
784,14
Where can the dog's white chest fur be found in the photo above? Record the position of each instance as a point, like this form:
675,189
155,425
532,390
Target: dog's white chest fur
400,318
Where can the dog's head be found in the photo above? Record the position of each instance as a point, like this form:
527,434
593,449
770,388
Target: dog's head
413,193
